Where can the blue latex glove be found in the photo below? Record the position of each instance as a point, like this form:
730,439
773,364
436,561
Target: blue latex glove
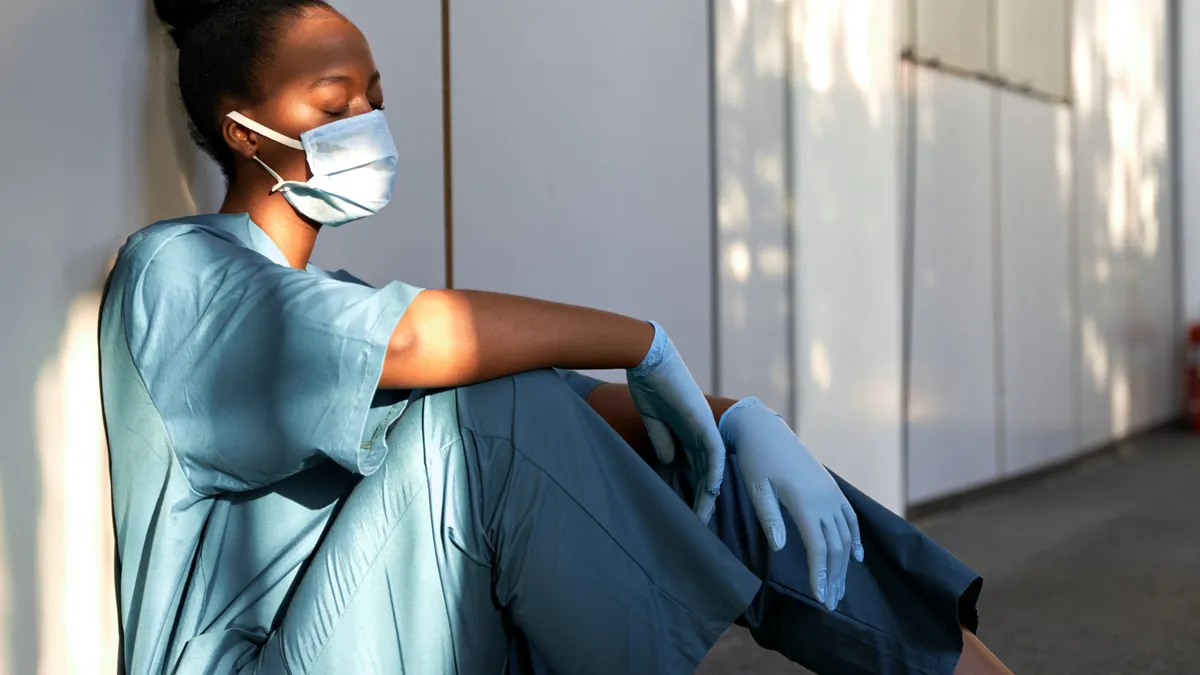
776,467
669,400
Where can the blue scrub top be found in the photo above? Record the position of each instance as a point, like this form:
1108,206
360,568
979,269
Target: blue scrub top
241,407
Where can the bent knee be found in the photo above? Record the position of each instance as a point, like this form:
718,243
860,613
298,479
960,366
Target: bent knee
492,408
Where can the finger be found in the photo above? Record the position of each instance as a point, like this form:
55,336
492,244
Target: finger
661,439
708,487
837,555
855,534
766,506
818,560
843,529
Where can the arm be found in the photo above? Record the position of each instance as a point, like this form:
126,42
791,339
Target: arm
615,405
451,338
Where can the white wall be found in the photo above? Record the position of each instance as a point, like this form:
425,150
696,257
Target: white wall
1043,312
754,253
582,159
847,240
1035,190
809,296
1189,149
952,388
1127,341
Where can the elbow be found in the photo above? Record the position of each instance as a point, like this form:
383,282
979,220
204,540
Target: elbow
397,369
429,347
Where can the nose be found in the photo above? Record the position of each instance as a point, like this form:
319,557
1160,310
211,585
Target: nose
360,106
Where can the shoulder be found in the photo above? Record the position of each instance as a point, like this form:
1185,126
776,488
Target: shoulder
193,237
185,258
168,271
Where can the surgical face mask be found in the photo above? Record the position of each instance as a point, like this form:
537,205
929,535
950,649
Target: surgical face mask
353,162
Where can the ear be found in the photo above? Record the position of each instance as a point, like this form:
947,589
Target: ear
241,140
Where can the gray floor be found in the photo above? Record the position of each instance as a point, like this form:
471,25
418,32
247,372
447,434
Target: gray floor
1090,573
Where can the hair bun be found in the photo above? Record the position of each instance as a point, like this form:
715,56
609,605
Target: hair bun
183,15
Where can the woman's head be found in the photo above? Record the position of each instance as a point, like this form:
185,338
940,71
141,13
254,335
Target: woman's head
291,65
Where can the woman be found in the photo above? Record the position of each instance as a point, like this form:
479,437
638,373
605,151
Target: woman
311,475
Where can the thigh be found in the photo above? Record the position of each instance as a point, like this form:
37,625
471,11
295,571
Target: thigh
386,592
517,514
597,561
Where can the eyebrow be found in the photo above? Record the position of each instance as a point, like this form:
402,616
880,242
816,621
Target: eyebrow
335,79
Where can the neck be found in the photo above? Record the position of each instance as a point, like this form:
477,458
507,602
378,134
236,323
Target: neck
295,235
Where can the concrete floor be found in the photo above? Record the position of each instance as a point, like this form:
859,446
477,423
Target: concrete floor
1092,572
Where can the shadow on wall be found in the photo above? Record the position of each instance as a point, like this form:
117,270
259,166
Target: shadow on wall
1128,350
752,200
821,273
177,179
57,599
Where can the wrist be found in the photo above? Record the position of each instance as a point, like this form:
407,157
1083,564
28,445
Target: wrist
733,419
652,355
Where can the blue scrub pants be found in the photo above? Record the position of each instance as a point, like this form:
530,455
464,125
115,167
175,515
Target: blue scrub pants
511,530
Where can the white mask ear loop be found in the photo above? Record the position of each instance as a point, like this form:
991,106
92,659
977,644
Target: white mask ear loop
265,131
280,181
271,134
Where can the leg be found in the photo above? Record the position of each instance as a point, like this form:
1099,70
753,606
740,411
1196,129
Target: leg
905,606
977,659
372,599
502,508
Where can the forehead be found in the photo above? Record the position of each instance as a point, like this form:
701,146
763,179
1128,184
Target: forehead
320,43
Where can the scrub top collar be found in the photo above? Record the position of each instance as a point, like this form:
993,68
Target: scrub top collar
252,237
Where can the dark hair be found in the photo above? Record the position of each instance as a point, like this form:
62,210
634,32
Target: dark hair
223,44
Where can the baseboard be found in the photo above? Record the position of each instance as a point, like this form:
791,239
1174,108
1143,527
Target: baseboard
1009,484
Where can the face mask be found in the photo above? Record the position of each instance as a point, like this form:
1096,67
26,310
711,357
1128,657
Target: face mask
353,162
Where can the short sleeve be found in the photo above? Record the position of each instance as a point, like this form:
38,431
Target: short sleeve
258,370
580,383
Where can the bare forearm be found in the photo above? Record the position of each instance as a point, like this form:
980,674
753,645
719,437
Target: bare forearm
451,338
615,405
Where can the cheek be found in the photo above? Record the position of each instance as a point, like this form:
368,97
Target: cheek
289,163
290,120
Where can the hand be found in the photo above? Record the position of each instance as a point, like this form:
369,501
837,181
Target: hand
776,467
669,400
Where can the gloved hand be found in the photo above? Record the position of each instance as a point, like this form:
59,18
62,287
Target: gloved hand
776,467
669,400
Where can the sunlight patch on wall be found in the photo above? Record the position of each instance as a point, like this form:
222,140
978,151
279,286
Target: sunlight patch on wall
817,28
75,576
1095,354
738,261
820,365
859,38
1119,402
733,210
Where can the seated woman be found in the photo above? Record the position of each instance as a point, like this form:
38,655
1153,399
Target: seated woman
311,475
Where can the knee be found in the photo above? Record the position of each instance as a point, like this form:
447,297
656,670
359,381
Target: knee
491,408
